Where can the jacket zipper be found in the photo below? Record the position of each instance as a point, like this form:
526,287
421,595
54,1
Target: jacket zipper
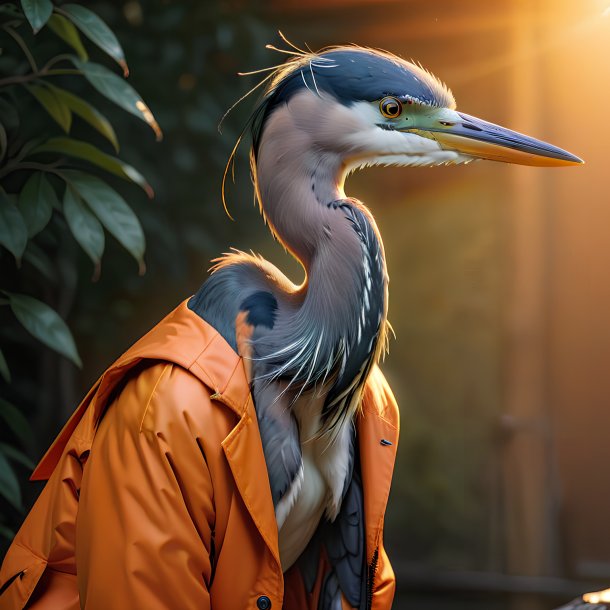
370,584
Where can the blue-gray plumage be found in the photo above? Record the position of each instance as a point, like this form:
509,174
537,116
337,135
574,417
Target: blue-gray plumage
349,74
261,307
309,348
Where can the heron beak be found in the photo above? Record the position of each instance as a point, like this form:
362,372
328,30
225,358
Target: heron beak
482,140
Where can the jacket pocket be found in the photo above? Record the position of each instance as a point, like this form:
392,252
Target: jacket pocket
21,571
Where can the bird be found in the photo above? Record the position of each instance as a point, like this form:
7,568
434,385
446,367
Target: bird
309,348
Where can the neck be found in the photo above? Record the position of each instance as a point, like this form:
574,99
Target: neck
296,190
300,190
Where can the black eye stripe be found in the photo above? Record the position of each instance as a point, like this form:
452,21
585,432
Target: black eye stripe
390,107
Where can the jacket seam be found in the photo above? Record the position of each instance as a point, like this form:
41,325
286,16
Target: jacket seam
30,551
152,394
375,412
207,345
198,356
244,406
219,393
203,376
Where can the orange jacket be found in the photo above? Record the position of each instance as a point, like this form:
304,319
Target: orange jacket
158,495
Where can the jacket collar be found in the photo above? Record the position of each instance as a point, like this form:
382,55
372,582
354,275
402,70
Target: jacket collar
201,349
181,337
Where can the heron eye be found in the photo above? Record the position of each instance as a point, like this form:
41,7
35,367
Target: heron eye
390,107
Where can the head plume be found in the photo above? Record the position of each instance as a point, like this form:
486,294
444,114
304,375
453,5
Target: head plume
349,73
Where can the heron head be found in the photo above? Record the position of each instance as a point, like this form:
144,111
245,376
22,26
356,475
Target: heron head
372,108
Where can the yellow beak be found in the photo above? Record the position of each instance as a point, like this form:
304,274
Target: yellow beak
483,140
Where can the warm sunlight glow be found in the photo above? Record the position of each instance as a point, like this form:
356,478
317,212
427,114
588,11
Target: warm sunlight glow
597,597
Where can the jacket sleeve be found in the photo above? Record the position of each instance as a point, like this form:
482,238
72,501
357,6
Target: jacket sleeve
146,514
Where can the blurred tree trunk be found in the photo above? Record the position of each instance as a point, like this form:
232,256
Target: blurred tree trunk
530,518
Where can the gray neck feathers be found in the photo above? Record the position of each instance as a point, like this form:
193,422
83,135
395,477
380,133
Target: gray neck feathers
295,181
339,329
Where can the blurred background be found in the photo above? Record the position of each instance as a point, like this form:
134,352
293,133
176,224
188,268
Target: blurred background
500,275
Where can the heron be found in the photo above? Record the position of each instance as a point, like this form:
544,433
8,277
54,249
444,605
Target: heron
309,348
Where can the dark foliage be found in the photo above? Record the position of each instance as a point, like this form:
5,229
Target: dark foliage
68,210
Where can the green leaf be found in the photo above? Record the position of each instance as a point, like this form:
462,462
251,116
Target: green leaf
53,105
17,456
37,12
88,152
24,151
40,260
118,91
13,232
44,323
9,485
15,420
36,202
65,29
96,31
112,211
88,113
4,370
85,227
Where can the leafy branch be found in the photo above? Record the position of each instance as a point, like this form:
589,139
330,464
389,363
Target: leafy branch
46,182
